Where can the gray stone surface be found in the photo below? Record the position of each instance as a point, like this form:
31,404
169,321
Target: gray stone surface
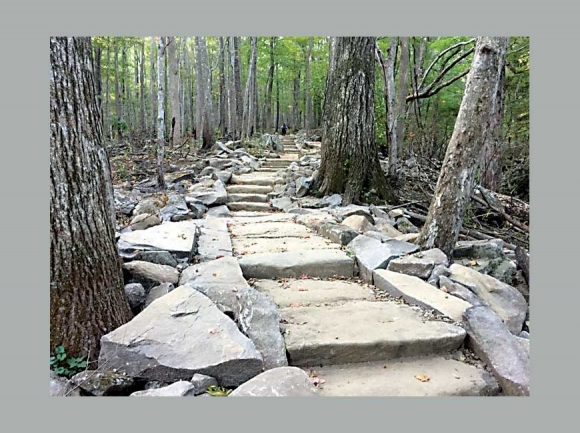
144,221
104,383
61,387
385,227
158,257
417,292
314,220
360,331
420,264
135,295
213,195
314,263
176,209
149,206
359,223
405,226
345,211
180,388
158,291
485,249
244,246
124,202
337,233
178,335
219,211
150,274
201,383
176,237
507,302
492,342
278,382
270,230
438,272
214,240
458,290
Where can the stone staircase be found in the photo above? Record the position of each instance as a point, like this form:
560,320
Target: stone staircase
355,341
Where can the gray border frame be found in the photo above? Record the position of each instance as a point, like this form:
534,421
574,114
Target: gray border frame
26,26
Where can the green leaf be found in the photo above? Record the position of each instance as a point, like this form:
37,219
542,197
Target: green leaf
61,356
59,370
59,349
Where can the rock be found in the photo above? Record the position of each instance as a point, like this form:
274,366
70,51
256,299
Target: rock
201,383
458,290
210,196
420,264
504,270
492,342
372,254
278,382
396,213
438,272
221,164
176,209
222,281
358,223
224,176
385,227
378,213
144,221
405,226
180,388
281,203
196,207
219,211
178,335
417,292
214,240
208,171
158,291
377,235
135,295
124,203
150,274
409,237
148,206
314,220
344,212
61,387
302,186
507,302
158,257
485,249
104,383
337,233
331,201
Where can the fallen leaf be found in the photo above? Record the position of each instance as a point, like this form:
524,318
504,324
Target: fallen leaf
384,366
302,289
423,377
303,276
473,263
219,257
295,304
216,275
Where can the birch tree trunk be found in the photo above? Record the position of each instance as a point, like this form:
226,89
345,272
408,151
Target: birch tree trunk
160,112
152,78
349,157
455,183
249,116
87,298
142,88
400,107
174,85
268,110
308,121
296,117
235,41
207,128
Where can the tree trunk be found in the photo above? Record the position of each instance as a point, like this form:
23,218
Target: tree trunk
490,158
235,41
105,112
98,81
142,88
174,85
118,112
249,117
152,89
160,112
400,107
296,117
206,127
277,100
455,183
391,105
308,122
350,159
223,97
268,111
199,87
87,298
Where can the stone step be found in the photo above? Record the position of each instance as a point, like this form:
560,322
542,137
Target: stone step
268,169
362,331
249,189
279,245
252,179
294,264
249,206
447,377
271,230
261,198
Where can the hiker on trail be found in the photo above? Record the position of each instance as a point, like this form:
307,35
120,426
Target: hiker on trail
284,128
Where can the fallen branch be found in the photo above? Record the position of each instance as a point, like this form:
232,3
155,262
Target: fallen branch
486,202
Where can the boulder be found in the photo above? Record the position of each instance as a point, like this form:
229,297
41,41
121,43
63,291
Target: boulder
219,211
281,203
178,335
484,249
144,221
358,223
507,302
458,290
148,206
150,274
337,233
438,272
135,295
224,175
176,209
180,388
344,212
158,257
405,226
503,353
213,195
302,186
420,264
104,383
61,387
278,382
384,226
124,202
158,291
201,383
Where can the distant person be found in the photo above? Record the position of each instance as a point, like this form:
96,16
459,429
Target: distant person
284,128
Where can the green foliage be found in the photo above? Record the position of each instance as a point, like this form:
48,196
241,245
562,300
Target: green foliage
218,391
65,366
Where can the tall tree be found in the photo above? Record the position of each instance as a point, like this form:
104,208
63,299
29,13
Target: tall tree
308,118
87,299
455,183
268,110
160,112
235,47
400,116
174,86
223,97
349,157
249,117
142,87
118,97
206,127
153,79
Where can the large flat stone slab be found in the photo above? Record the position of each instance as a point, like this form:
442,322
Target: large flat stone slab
175,237
262,179
178,335
214,240
249,205
249,189
503,352
292,264
447,377
259,217
270,230
278,382
420,264
417,292
506,301
279,245
313,292
360,331
261,198
151,274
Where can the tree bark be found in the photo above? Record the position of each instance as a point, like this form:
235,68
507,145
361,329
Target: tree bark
152,89
455,183
174,85
349,157
268,111
87,298
160,112
400,107
308,121
296,116
249,117
142,88
206,127
235,41
223,97
118,108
